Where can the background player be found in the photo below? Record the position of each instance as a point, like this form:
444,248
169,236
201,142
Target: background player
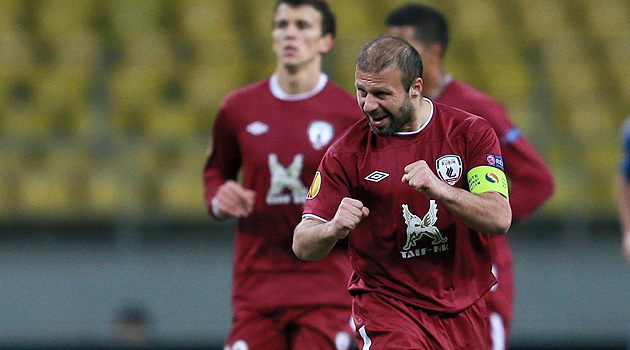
276,131
531,181
421,262
623,188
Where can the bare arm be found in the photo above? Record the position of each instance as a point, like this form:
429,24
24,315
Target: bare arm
487,212
623,206
313,239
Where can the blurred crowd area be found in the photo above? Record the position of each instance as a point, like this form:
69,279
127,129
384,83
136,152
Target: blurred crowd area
107,106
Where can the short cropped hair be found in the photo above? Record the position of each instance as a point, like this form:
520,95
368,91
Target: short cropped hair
329,24
429,24
387,51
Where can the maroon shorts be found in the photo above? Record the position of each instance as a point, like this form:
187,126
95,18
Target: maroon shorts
303,328
385,323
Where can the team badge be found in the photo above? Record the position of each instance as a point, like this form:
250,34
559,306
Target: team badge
257,128
320,134
315,186
449,168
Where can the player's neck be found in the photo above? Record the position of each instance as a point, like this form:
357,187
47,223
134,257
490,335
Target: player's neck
434,84
298,80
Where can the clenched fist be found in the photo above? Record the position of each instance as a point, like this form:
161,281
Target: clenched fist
348,216
419,176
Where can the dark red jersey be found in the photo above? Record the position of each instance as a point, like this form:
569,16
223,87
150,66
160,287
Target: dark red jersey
409,247
277,142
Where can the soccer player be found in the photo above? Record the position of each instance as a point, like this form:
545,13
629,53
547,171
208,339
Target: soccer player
275,132
623,188
531,182
417,188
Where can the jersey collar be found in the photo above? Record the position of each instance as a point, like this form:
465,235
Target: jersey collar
423,125
278,93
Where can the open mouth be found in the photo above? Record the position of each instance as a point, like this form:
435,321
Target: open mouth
380,120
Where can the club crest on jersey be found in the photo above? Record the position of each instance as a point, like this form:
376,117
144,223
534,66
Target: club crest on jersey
449,168
320,133
418,227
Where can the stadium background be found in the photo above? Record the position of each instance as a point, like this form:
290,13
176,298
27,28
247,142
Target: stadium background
106,107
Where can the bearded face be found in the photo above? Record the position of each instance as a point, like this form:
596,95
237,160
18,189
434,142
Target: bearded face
384,123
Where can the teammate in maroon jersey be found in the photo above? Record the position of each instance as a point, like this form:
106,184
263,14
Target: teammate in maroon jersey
417,190
531,182
275,132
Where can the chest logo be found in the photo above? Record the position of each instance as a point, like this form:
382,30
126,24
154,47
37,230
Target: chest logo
376,176
284,180
418,227
257,128
449,168
320,134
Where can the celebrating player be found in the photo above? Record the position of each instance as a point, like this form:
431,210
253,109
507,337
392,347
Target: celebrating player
531,182
418,189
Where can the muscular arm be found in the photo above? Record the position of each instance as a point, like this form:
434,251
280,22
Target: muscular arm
487,212
313,239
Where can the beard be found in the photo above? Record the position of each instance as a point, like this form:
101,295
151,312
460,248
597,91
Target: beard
398,119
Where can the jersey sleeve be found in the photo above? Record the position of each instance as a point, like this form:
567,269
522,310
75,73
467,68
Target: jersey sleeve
625,148
330,185
485,163
224,160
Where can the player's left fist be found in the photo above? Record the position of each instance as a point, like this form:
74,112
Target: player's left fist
419,176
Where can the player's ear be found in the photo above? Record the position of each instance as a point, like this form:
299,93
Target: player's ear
326,43
415,90
436,49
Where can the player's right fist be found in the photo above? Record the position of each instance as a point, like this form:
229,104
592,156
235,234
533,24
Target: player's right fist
232,199
348,216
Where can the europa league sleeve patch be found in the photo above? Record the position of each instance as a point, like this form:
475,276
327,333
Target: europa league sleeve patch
487,178
315,185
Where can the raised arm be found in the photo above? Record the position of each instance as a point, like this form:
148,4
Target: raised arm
487,212
313,238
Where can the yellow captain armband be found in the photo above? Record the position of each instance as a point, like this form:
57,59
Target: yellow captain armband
486,178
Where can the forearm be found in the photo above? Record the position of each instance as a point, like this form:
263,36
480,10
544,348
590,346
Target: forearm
313,239
487,212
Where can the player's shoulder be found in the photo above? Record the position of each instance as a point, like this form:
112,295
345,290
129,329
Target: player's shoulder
246,93
624,130
458,120
352,140
333,91
470,93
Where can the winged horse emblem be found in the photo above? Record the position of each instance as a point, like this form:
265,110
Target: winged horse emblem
416,227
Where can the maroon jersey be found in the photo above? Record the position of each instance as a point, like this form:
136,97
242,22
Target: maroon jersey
409,247
531,182
277,142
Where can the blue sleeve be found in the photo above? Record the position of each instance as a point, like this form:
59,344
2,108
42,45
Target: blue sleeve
625,148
